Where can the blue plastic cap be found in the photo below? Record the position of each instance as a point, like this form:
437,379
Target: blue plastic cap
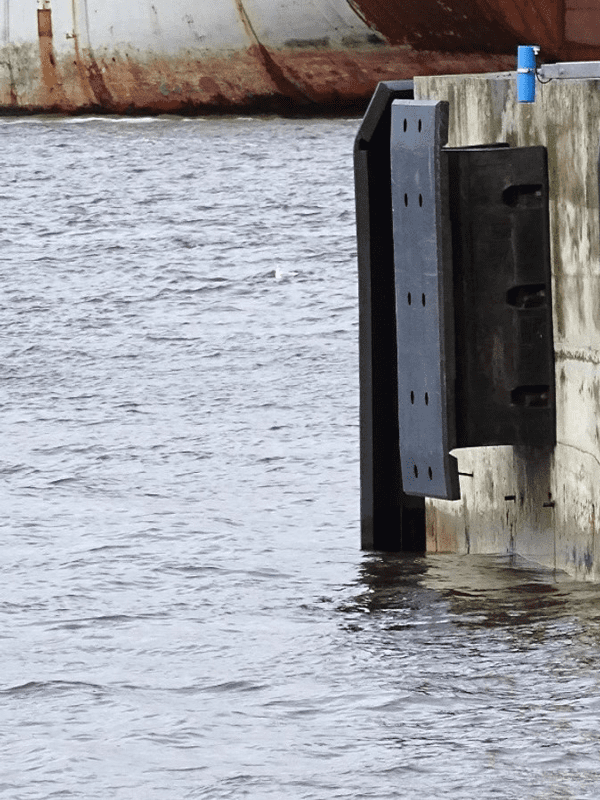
526,65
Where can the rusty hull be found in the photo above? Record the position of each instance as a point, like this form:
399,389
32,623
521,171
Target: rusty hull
251,81
81,66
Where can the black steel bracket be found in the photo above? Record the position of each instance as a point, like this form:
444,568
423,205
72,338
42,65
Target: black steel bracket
473,297
424,302
504,349
455,320
390,519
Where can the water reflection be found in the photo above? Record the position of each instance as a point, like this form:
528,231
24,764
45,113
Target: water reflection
488,671
476,590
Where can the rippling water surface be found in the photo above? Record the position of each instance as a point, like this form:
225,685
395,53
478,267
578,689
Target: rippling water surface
185,612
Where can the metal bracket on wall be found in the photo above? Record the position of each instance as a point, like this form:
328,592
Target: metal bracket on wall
504,350
473,297
390,519
424,305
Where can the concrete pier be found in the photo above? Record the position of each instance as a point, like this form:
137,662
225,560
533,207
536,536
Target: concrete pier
540,503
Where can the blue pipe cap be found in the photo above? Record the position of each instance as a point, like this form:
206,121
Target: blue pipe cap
526,66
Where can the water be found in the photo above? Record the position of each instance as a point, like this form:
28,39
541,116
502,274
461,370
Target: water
185,612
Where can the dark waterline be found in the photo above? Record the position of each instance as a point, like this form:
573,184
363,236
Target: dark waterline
185,609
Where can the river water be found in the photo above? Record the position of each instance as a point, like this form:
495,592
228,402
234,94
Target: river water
185,611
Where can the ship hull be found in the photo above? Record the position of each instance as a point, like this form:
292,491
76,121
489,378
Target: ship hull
215,56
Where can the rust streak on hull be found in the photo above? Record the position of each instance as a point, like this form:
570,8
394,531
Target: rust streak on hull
283,85
54,96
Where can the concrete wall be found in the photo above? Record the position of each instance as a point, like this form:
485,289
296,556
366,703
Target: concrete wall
543,505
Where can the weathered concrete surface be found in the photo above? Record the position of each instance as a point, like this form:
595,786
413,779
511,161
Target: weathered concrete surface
543,505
